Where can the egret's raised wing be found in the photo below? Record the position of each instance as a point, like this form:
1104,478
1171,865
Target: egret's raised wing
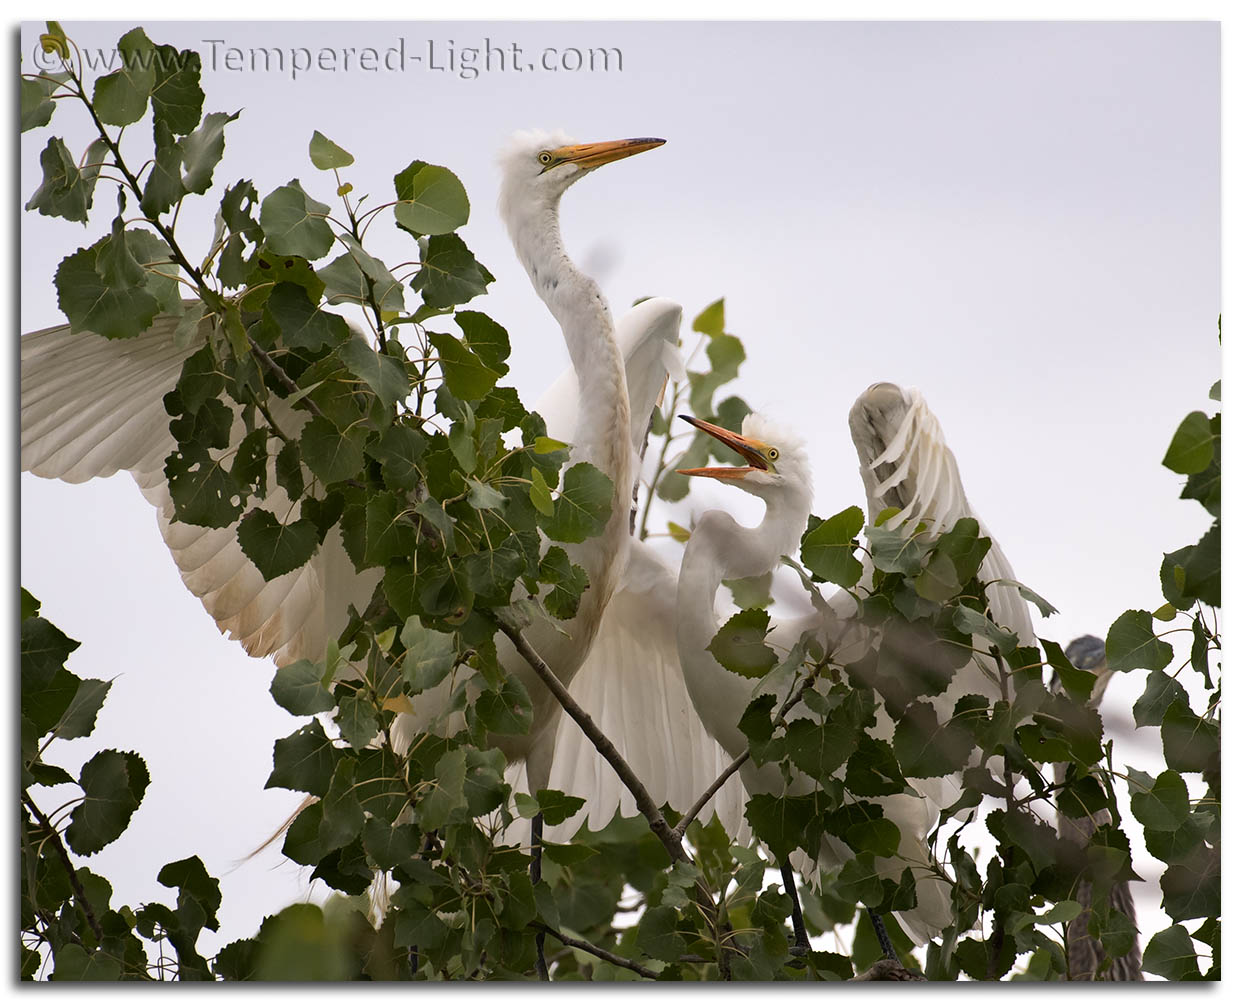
92,407
632,686
906,464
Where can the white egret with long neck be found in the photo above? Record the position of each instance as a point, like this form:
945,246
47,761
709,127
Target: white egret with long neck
906,464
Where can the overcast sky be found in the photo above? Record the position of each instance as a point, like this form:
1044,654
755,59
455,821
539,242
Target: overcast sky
1021,219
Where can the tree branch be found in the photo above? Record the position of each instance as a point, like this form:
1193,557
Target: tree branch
54,837
585,947
642,799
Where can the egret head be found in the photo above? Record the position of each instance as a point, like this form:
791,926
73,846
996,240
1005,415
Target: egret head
776,460
538,166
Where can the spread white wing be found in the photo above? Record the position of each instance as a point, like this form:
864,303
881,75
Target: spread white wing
92,407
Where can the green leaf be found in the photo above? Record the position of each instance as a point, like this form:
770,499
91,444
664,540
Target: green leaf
507,711
657,933
567,579
303,761
484,497
91,304
330,454
895,552
748,593
297,945
1170,954
828,549
1166,806
448,795
429,655
540,494
201,151
65,191
276,548
878,836
72,963
1191,885
294,223
44,650
300,322
583,506
1132,644
1193,445
490,342
326,155
177,97
113,784
79,719
431,199
1161,690
739,644
872,770
1202,569
298,688
970,621
37,105
1191,743
398,450
203,492
556,807
358,723
357,277
121,96
342,814
199,895
711,320
383,373
464,372
450,274
925,747
390,845
1077,682
820,748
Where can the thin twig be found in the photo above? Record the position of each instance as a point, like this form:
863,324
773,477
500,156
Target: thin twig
710,792
59,846
591,948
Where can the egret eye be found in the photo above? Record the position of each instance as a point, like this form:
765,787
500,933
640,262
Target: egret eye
545,158
774,454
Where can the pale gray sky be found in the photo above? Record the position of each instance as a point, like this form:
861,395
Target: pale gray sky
1020,219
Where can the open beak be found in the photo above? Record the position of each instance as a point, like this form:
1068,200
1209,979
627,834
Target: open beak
590,155
749,449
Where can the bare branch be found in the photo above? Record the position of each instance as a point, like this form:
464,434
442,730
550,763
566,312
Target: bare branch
612,958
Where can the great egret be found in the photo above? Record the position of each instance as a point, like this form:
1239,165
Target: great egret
905,463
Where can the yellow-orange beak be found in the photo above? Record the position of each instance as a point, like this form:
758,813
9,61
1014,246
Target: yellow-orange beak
589,155
751,450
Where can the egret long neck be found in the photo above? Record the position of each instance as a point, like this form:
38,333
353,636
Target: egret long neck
601,435
720,549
